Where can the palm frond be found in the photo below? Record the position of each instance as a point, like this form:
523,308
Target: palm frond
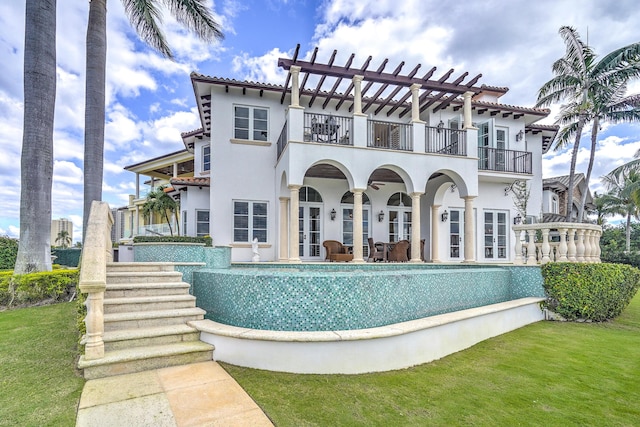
146,18
196,17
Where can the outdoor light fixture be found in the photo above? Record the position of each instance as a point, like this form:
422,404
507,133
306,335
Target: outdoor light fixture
517,220
445,216
519,135
333,214
381,216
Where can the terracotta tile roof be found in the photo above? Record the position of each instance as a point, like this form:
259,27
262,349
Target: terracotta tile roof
191,181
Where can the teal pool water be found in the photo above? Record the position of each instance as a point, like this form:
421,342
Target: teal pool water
326,297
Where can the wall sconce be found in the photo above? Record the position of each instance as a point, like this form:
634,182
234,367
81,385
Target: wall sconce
517,220
332,214
381,216
445,216
519,135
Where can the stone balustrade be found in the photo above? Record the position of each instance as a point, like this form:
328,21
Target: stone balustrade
96,252
557,242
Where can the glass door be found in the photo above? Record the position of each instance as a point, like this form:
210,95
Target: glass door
347,228
456,234
495,235
310,231
399,224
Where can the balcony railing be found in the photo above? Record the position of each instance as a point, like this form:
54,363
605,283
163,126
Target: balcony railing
496,159
393,136
557,242
446,141
282,139
327,128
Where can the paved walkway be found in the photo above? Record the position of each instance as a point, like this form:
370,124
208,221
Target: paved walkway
201,394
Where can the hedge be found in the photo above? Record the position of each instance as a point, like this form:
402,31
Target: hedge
596,292
172,239
67,256
48,286
8,252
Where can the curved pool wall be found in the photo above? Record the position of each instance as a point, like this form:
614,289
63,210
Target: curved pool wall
333,297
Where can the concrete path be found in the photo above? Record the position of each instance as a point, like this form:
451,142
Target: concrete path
200,394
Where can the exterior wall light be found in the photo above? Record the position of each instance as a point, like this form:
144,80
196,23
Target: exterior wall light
517,220
332,214
519,135
445,216
381,216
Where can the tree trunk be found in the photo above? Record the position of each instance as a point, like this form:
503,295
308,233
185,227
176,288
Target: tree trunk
572,170
628,234
166,215
594,138
94,114
36,168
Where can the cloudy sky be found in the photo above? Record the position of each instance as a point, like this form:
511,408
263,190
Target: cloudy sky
150,99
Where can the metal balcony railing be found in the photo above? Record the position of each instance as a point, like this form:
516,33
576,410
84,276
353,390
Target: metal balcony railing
496,159
446,141
328,129
389,135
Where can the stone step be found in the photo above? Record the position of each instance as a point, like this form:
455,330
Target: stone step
160,335
139,359
148,303
120,277
114,267
146,319
124,290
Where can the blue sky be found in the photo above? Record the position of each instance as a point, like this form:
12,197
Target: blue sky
150,99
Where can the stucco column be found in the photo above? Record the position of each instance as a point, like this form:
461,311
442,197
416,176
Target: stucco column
137,185
294,223
415,227
467,110
435,227
357,95
295,85
415,102
136,221
284,225
357,225
469,230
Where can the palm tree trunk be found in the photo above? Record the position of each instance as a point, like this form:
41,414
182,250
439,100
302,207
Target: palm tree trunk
572,170
628,234
94,114
594,137
166,215
34,249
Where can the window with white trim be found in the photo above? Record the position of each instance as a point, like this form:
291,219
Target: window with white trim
206,158
554,204
184,222
249,221
250,123
202,223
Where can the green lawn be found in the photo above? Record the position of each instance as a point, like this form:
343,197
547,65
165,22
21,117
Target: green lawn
548,373
38,383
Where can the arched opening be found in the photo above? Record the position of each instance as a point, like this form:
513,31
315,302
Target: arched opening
346,220
399,217
310,219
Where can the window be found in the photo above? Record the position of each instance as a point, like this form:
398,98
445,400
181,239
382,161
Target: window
206,158
249,221
202,223
184,223
554,204
251,123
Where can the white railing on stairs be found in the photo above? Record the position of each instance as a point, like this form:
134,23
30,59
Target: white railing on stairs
96,252
557,242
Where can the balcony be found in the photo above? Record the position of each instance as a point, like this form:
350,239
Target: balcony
389,135
446,141
328,129
500,160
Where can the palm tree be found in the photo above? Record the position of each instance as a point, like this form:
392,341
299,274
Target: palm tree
594,91
34,250
159,202
64,239
623,198
145,16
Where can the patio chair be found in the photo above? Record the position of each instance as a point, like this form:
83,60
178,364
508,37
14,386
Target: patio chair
376,251
399,253
336,251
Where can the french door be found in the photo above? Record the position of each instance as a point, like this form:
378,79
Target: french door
456,234
399,224
347,228
495,235
310,231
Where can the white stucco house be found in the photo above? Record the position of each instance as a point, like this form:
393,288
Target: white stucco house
342,152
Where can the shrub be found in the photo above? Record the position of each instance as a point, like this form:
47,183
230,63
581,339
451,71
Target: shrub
8,252
172,239
589,291
48,286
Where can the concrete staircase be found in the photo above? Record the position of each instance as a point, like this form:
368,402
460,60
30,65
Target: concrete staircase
146,310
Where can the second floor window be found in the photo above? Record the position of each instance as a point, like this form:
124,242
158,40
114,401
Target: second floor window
251,123
206,158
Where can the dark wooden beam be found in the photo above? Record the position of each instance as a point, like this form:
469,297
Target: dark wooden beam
337,82
286,83
507,114
518,115
482,110
321,82
493,113
350,88
205,97
381,89
369,82
312,61
408,94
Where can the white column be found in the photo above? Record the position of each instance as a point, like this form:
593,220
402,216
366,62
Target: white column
357,95
518,258
294,226
531,248
467,110
295,86
571,245
415,227
469,230
435,240
415,103
175,170
137,185
284,225
562,248
357,225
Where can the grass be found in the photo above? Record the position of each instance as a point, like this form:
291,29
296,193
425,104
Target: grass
38,383
548,373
